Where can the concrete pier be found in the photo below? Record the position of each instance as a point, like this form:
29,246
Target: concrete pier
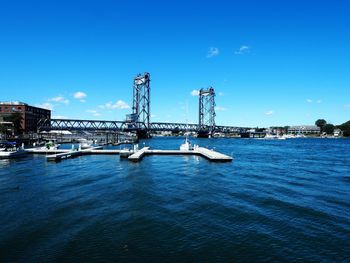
200,151
213,155
136,156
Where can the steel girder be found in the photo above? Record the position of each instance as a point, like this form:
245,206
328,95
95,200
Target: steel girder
141,99
207,110
116,126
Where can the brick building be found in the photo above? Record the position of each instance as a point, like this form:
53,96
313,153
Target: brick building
30,114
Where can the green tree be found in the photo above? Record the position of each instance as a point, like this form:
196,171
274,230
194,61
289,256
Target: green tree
345,127
320,123
328,128
16,118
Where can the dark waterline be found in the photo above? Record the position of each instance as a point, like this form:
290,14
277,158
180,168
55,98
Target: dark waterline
277,201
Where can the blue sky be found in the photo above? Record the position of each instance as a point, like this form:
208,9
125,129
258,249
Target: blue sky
270,62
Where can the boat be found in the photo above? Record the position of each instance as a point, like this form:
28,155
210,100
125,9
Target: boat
10,150
270,136
50,145
85,144
186,146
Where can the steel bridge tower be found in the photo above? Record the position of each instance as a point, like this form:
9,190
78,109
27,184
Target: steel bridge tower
141,104
206,112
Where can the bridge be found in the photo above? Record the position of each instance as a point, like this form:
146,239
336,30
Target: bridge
124,126
139,120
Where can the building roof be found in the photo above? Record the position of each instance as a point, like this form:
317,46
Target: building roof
12,103
304,127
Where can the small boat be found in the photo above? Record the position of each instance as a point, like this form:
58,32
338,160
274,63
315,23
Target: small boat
85,144
50,145
10,150
270,136
186,146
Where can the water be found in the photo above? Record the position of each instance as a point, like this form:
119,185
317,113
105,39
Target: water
277,201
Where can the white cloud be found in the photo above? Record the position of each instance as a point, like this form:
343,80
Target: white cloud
269,113
94,112
59,117
45,105
213,51
242,50
195,92
79,95
59,99
220,93
219,108
309,100
118,105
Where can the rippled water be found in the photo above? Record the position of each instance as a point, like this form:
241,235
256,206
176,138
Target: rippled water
277,201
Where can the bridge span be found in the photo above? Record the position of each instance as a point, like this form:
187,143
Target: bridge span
125,126
139,120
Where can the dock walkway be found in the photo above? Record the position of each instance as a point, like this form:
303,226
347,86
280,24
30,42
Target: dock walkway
60,154
213,155
137,156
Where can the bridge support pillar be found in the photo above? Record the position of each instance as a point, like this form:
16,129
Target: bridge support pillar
206,112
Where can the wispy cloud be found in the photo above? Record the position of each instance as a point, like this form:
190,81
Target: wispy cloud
219,108
195,92
79,95
117,105
94,112
212,52
220,94
45,105
269,113
242,50
59,99
309,100
59,117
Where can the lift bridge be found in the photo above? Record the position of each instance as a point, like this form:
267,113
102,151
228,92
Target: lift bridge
139,120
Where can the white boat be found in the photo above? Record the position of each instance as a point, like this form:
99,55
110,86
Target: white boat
50,145
9,150
270,136
84,143
186,146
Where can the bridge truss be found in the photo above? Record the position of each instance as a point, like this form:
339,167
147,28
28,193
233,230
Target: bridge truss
124,126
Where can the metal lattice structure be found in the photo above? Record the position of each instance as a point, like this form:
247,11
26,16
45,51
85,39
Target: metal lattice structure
207,110
139,120
141,101
116,126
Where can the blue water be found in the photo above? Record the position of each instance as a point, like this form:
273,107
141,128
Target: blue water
277,201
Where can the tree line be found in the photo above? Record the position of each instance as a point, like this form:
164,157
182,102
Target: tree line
329,128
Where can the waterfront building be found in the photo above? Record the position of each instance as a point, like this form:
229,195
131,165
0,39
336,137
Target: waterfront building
30,114
304,129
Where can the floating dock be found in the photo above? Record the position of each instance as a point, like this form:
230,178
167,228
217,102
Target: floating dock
138,155
211,155
135,156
